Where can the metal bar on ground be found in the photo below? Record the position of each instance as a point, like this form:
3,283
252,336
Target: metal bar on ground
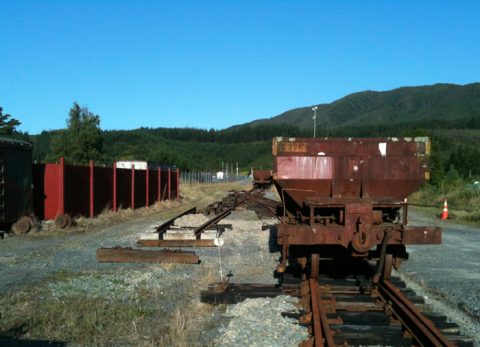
175,243
128,255
162,228
317,331
197,231
329,342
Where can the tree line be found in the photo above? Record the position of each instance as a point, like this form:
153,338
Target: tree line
247,145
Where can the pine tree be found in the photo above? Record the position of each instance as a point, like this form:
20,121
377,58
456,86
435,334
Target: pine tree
7,125
82,140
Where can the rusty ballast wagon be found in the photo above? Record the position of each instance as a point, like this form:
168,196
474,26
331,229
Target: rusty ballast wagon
347,197
262,178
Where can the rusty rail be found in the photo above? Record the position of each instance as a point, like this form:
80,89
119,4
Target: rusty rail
175,243
163,227
129,255
420,327
322,335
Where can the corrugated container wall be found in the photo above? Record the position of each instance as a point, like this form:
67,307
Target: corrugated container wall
15,179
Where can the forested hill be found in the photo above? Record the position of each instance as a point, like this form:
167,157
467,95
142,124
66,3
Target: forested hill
449,114
424,104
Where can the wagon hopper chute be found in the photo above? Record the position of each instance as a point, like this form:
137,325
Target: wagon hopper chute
347,197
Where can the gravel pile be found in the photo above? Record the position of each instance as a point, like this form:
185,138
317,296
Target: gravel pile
249,253
191,220
259,322
119,286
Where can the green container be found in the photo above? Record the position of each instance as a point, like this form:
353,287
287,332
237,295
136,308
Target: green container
15,179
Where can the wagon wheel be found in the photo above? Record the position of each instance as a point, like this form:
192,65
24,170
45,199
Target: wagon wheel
63,221
314,265
387,267
22,225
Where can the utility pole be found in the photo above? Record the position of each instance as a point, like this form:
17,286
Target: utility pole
314,109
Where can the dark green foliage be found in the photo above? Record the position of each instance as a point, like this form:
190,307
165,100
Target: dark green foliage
452,175
466,159
81,141
448,114
439,106
166,146
7,124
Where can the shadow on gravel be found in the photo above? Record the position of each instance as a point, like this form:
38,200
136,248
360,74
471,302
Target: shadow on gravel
13,342
272,240
10,338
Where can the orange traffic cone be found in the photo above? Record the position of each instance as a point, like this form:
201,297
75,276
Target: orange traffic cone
445,211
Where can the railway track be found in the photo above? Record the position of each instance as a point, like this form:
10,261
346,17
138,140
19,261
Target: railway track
351,312
344,312
343,306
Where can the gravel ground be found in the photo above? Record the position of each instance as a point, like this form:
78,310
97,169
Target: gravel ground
449,278
258,322
448,274
250,255
28,259
65,266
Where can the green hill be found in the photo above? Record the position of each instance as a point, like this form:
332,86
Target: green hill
406,105
448,113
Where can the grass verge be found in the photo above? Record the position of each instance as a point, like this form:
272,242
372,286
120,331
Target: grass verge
155,314
463,202
151,306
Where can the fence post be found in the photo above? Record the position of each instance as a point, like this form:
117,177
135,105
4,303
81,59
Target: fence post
178,183
61,188
114,186
159,196
92,191
147,185
133,187
169,183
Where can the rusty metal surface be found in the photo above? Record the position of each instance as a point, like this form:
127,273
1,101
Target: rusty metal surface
129,255
262,176
419,326
215,219
367,167
89,190
175,243
315,307
63,221
22,225
296,234
350,192
163,227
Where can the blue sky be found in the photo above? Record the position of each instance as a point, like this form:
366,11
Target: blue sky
213,64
